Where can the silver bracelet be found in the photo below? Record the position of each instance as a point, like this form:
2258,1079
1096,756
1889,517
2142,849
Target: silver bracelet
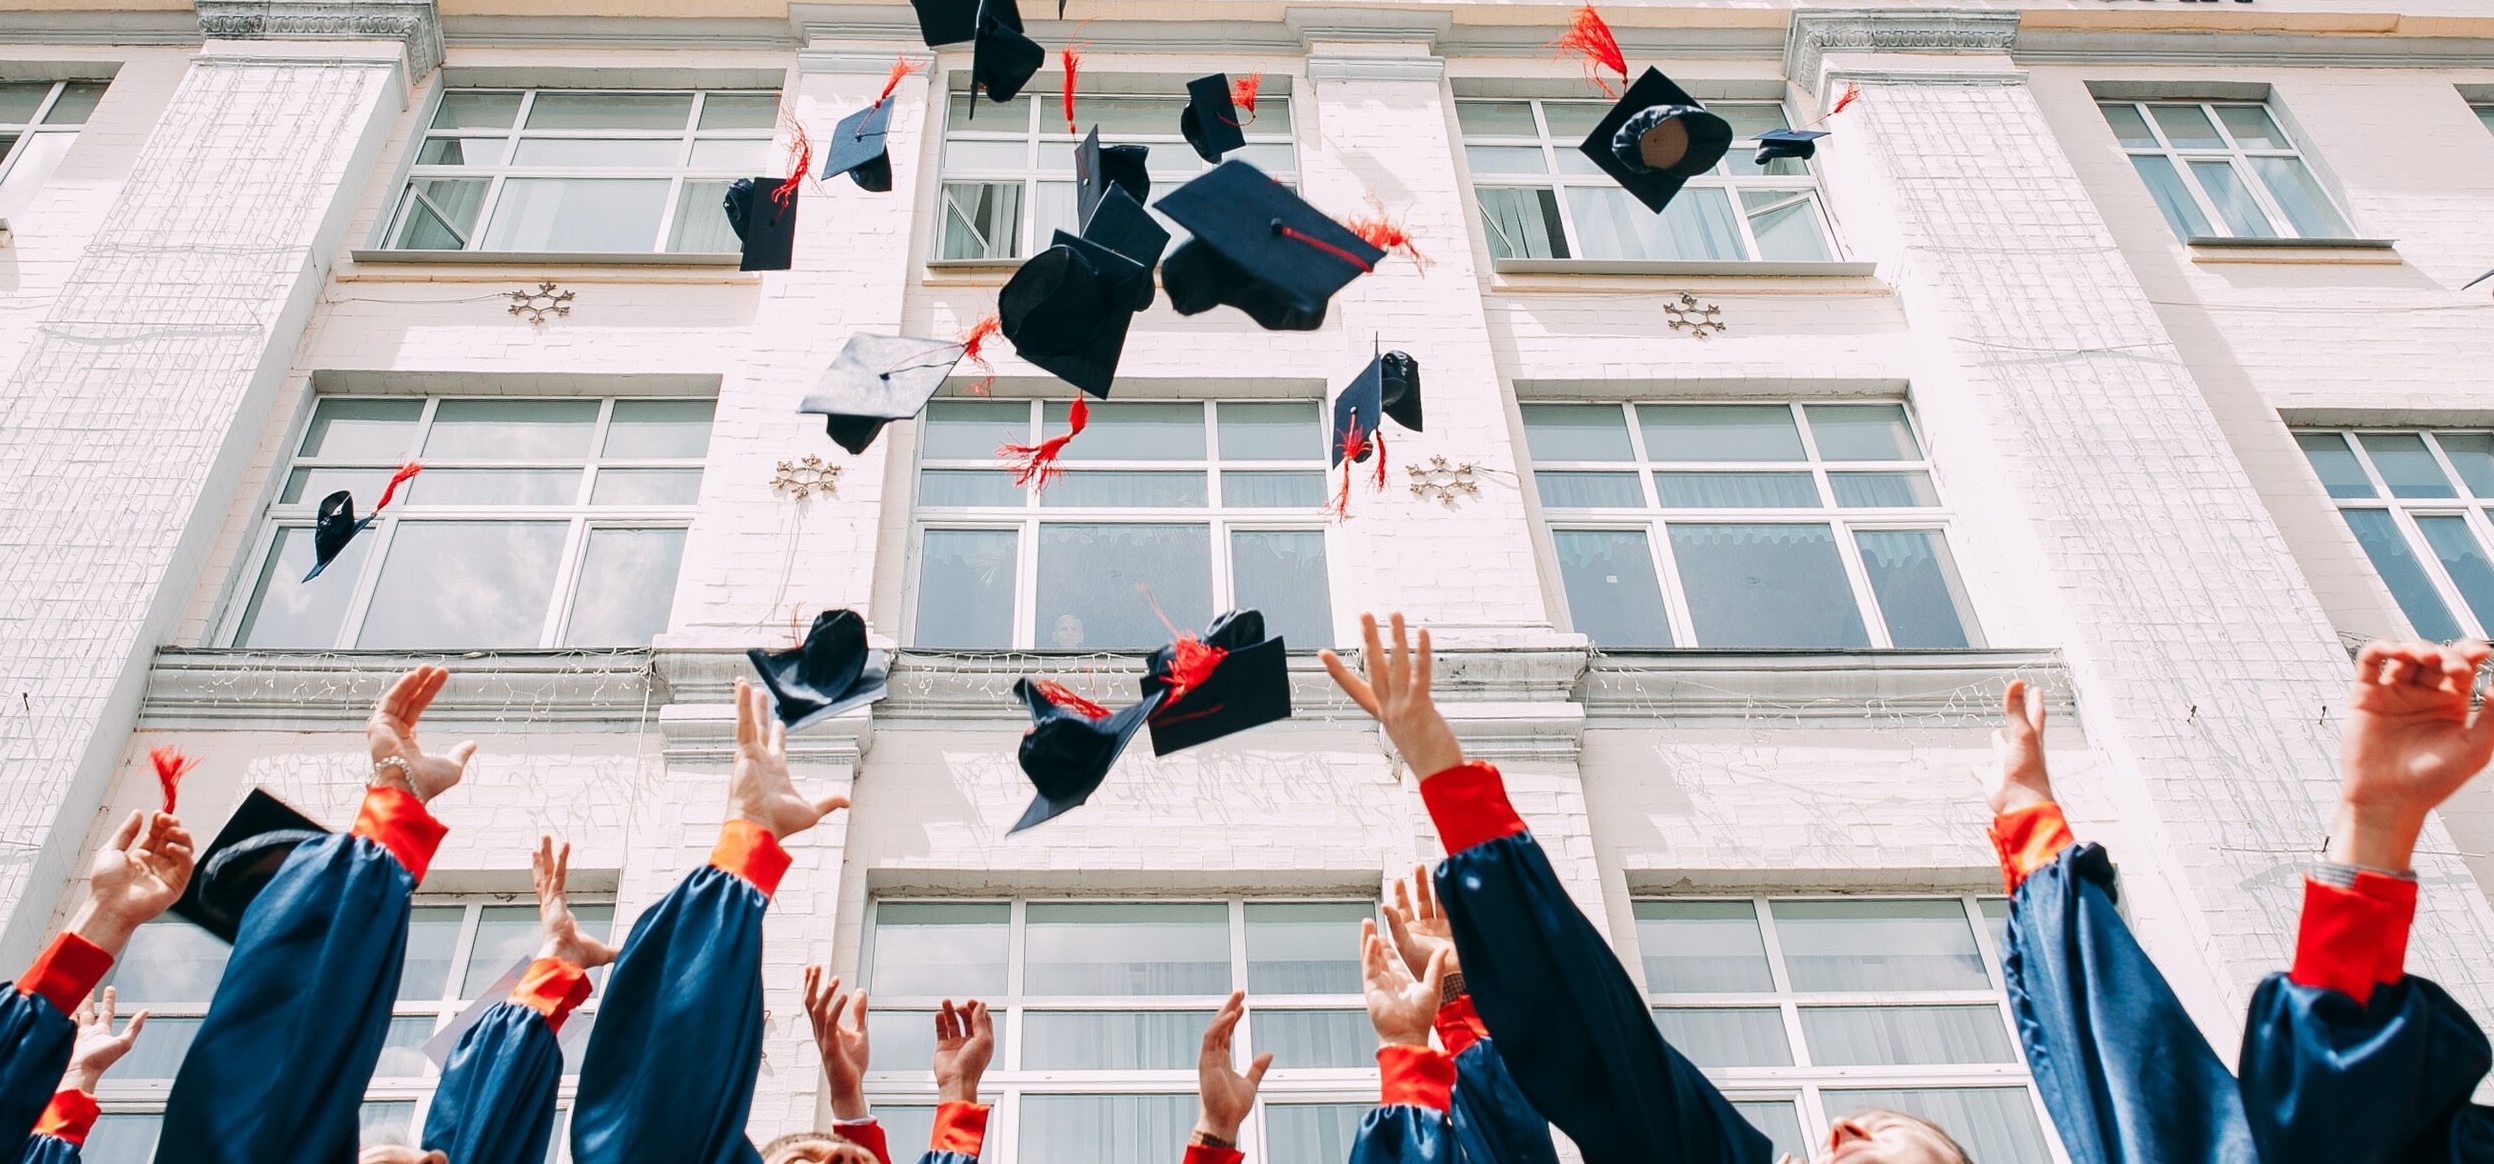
406,771
2343,876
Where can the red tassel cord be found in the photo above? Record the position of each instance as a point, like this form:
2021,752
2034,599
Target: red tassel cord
389,491
1073,63
1356,444
1328,248
1852,94
1035,465
901,67
1243,94
1065,699
973,343
786,192
1385,234
1589,38
171,766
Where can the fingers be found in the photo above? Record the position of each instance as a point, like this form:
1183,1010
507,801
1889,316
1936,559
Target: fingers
1350,683
127,836
1402,664
1420,677
947,1022
1398,920
1256,1070
562,868
1428,893
830,804
1402,899
748,728
541,864
2013,701
393,702
857,1012
810,991
779,738
130,1034
1380,677
103,1006
1433,983
982,1021
459,755
1224,1023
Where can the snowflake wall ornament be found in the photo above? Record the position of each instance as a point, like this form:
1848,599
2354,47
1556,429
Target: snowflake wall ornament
535,306
1703,320
1443,481
805,477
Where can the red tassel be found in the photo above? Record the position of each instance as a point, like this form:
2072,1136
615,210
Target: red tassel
171,766
1589,37
1852,94
786,191
1036,465
901,67
1383,233
972,342
405,471
1328,248
1191,665
1355,444
1064,697
1243,94
1073,63
1381,457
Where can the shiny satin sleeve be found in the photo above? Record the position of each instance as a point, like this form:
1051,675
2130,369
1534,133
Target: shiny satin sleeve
36,1032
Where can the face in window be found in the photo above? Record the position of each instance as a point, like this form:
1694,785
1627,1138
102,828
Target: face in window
1875,1136
1068,633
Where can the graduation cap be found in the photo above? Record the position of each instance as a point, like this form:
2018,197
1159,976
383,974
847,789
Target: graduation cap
1067,310
1002,60
857,148
878,379
1259,248
2479,279
765,220
1788,143
1232,679
1099,169
337,524
1358,409
1657,138
1398,388
1120,224
1071,745
831,673
943,22
235,867
1210,122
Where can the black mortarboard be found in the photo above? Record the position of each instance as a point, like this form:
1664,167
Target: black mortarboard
1259,248
1122,225
1788,143
943,22
1003,60
2479,279
1657,138
337,524
857,147
831,673
1398,388
1067,753
1098,168
1356,414
235,867
765,221
1246,686
1210,121
1067,310
876,380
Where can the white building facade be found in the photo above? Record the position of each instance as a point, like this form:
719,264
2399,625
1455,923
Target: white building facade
2118,345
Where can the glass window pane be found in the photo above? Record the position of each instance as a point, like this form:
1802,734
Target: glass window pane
1779,1121
1114,1040
701,226
1737,490
1702,947
1576,432
512,430
2252,128
1314,1038
494,487
559,110
2405,465
2127,125
1054,208
740,111
1878,946
1282,574
589,215
1699,224
926,949
470,585
1293,490
1564,489
740,155
1304,947
2396,563
1915,580
1496,119
1570,121
908,1124
962,157
970,430
1766,586
955,488
168,963
1996,1125
1726,1036
1787,228
593,153
402,1049
386,1122
1121,114
1103,1129
1108,586
1862,432
461,151
2463,559
659,428
1123,490
2234,202
362,430
432,933
1134,432
965,589
472,109
2472,453
1084,948
20,99
122,1137
2182,212
1506,159
646,487
982,220
2335,464
904,1040
506,937
287,612
1613,594
1883,490
2307,206
159,1051
1854,1036
1311,1133
306,486
440,213
1522,222
1293,431
2186,126
2485,113
1719,432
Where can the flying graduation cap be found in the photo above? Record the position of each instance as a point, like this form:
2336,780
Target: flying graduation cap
337,524
943,22
1071,745
878,379
1002,60
830,673
1110,186
1068,308
246,854
1210,122
1259,248
1100,168
1657,138
2479,279
1230,680
763,213
858,146
1775,144
1388,387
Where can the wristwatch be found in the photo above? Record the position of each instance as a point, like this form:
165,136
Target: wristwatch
1204,1139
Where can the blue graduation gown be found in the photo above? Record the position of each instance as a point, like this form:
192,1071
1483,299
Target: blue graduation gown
1569,1023
1488,1115
277,1071
62,1130
496,1101
50,1150
1410,1123
36,1032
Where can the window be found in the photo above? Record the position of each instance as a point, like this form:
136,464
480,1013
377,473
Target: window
536,523
1175,510
458,949
1542,198
2485,113
1807,1010
1100,1012
2224,170
1009,173
38,122
566,170
1747,525
2422,506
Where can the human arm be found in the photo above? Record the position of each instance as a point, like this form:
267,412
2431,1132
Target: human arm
1489,1115
1225,1096
965,1040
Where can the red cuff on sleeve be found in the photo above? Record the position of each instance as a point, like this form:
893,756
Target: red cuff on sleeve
395,819
2352,940
1419,1076
70,1116
2027,839
750,851
1459,1026
959,1127
865,1133
1204,1154
554,988
1469,804
66,972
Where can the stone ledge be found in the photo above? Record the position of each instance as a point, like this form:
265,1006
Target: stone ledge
252,690
1807,688
413,23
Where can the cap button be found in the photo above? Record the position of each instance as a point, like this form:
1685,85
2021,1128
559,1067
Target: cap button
1277,226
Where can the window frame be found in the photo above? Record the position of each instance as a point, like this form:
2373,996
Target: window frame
22,134
2477,512
2237,157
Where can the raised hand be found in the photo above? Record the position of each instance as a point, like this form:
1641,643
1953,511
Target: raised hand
1227,1096
98,1048
137,875
761,791
1400,1006
551,867
397,760
1420,929
843,1047
2017,778
1396,692
965,1039
2410,743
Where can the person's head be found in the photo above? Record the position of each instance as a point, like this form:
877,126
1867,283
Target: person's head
399,1154
1878,1136
815,1148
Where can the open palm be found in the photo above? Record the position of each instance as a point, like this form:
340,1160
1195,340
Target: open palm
391,733
2410,740
760,789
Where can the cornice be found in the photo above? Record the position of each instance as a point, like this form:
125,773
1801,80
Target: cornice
248,690
628,32
1427,70
1815,32
413,23
833,62
2271,49
1822,689
1368,24
100,28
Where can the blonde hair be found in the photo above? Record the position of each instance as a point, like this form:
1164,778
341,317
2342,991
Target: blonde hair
1957,1152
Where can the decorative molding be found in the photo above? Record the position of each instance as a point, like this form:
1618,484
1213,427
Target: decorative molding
849,63
1810,689
1703,268
100,28
1425,70
1369,25
2251,49
547,300
1815,32
553,258
627,32
247,690
413,23
1531,41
